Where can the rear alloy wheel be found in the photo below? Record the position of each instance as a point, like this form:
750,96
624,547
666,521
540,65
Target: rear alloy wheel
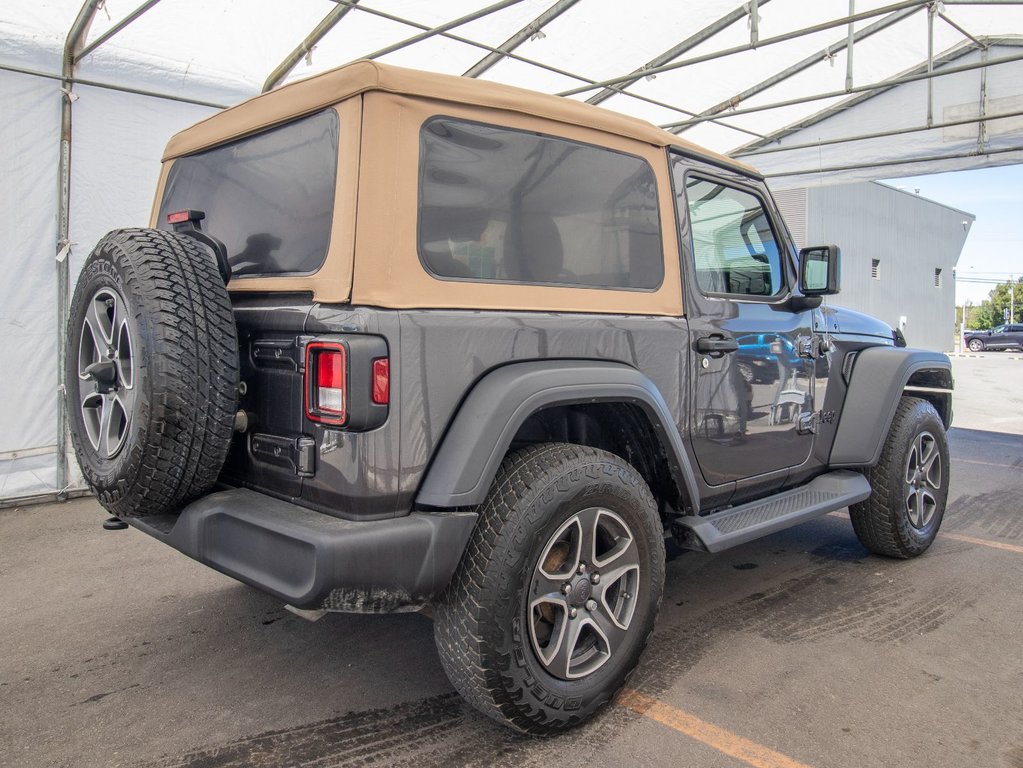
976,345
558,590
909,485
583,593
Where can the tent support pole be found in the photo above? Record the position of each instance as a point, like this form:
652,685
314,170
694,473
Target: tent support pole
932,11
674,52
981,120
72,45
524,34
538,64
982,124
806,63
320,31
849,49
879,85
890,163
114,29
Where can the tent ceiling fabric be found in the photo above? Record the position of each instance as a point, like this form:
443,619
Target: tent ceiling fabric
222,51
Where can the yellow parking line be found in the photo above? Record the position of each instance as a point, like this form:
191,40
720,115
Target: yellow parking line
986,463
959,537
984,542
724,741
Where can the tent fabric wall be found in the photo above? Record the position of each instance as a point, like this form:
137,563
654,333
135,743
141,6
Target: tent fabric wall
118,140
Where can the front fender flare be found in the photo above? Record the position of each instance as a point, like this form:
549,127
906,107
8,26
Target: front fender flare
878,378
471,451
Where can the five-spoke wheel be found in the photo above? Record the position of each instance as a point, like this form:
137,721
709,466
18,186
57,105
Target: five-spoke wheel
923,479
558,590
583,593
106,373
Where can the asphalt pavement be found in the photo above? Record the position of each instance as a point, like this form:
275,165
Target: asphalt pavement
801,649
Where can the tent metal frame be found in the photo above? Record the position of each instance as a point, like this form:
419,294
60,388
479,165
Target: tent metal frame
76,48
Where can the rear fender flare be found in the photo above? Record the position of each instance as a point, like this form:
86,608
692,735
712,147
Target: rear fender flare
474,446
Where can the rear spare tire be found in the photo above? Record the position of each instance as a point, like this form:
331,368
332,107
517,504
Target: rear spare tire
152,371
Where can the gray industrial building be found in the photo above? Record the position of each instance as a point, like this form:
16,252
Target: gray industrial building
899,252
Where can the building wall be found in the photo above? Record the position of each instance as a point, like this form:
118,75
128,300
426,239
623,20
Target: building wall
909,236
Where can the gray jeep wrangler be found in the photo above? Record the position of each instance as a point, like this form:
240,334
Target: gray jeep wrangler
397,340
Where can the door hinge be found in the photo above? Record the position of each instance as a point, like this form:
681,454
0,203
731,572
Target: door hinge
808,423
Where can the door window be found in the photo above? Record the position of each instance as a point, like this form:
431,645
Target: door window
734,248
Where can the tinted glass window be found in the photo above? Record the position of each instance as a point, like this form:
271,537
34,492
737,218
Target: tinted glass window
269,197
503,205
734,248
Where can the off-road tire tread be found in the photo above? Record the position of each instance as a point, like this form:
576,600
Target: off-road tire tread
879,526
184,312
463,615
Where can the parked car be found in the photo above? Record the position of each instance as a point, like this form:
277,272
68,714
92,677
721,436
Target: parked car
396,340
1008,336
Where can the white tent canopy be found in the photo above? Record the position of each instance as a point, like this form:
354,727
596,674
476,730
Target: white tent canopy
818,92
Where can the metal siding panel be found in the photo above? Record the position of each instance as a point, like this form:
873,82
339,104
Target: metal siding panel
911,236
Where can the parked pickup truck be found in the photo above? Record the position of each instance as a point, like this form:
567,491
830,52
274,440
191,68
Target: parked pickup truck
396,340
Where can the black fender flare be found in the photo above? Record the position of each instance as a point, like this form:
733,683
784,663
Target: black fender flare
879,376
471,451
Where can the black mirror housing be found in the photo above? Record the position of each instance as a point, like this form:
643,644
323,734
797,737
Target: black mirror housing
820,270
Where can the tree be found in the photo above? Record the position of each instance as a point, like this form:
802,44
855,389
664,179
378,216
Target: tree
991,311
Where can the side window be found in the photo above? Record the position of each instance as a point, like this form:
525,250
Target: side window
734,248
501,205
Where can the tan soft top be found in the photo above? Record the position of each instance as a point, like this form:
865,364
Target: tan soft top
336,85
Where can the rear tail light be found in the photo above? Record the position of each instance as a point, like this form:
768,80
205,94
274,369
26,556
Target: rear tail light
326,373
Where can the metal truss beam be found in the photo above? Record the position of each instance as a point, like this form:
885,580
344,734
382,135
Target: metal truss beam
519,38
794,34
881,85
320,31
532,62
811,60
982,118
890,163
131,17
869,91
675,51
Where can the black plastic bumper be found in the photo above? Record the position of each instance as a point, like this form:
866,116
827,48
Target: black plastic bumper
312,560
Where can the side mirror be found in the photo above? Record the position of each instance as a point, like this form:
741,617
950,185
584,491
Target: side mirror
820,270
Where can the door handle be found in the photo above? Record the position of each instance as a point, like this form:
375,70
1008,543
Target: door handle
716,345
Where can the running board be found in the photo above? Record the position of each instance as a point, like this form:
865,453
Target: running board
746,522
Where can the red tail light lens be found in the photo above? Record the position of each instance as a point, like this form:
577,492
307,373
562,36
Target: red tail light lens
381,381
326,373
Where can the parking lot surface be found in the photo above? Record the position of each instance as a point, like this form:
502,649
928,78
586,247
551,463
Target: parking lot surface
800,649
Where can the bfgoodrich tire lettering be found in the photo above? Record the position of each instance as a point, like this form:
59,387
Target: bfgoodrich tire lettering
152,371
910,485
485,636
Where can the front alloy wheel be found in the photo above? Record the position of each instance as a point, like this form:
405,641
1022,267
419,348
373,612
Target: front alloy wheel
923,480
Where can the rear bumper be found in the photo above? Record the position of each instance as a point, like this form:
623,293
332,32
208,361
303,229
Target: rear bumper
311,560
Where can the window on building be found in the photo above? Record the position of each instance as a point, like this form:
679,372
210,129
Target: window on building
503,205
937,278
875,268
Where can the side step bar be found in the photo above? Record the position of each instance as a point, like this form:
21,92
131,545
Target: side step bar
746,522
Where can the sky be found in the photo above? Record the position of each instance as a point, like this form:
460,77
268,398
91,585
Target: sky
994,247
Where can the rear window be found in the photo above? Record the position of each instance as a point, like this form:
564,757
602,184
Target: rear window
509,206
268,197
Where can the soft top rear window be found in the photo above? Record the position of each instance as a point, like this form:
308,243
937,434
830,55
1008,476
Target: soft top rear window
268,197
